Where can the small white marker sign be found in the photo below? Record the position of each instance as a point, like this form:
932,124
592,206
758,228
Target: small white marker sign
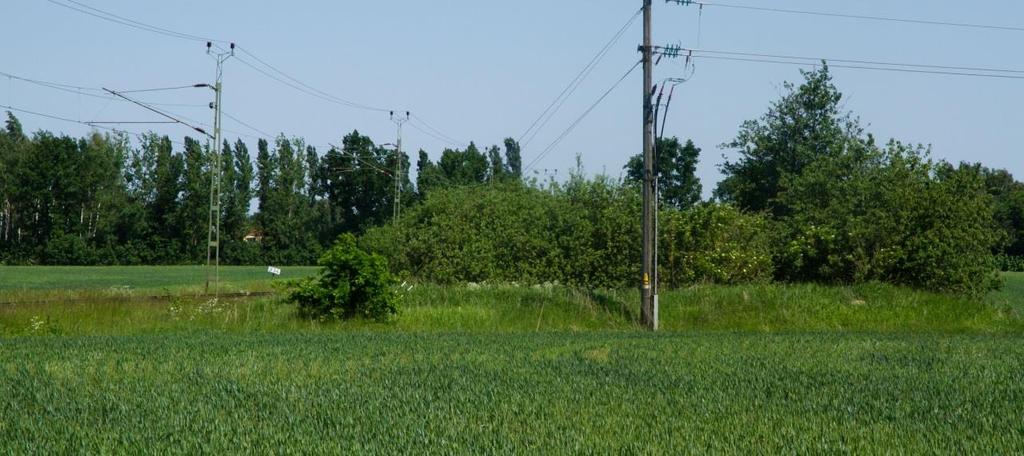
274,271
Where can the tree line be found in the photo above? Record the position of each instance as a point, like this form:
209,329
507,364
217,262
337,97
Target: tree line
812,197
104,200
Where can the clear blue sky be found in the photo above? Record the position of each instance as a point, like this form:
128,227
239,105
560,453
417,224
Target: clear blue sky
483,70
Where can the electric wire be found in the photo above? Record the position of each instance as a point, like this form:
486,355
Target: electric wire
307,86
860,62
161,113
163,89
574,84
434,133
359,159
572,126
138,135
284,78
82,90
244,124
860,67
852,16
111,17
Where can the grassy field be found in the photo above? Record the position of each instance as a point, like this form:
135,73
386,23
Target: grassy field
35,278
759,368
72,283
594,392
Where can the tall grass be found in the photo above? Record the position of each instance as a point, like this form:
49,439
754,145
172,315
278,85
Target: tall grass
499,308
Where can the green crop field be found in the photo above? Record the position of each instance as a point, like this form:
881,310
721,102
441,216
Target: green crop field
368,393
501,369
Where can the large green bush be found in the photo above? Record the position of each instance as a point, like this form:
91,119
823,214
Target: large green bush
890,215
351,283
582,233
505,232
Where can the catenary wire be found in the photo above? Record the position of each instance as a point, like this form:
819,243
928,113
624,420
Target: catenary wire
852,16
860,67
572,126
111,17
541,121
65,119
298,85
438,134
860,62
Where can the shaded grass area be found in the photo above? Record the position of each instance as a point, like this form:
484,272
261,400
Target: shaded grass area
1012,293
594,392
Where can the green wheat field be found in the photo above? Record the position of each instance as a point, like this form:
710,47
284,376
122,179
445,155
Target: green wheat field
502,369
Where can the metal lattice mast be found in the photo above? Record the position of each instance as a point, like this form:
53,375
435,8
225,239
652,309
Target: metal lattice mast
213,234
399,121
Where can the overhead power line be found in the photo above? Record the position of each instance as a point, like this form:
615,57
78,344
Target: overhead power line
164,89
861,62
434,132
808,62
111,17
544,118
160,113
296,84
246,125
434,135
319,92
359,159
65,119
259,65
86,91
573,126
852,16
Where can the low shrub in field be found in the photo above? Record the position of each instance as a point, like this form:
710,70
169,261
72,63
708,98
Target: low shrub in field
351,283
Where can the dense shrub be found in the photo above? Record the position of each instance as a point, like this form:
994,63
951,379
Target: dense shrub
1008,263
68,250
351,283
509,233
714,243
582,233
889,215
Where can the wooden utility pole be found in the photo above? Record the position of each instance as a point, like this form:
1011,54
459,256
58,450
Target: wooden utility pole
648,286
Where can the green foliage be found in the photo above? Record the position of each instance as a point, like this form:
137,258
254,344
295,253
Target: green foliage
1009,263
351,283
559,393
1008,204
802,127
676,165
892,216
851,212
105,301
583,233
458,167
714,243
